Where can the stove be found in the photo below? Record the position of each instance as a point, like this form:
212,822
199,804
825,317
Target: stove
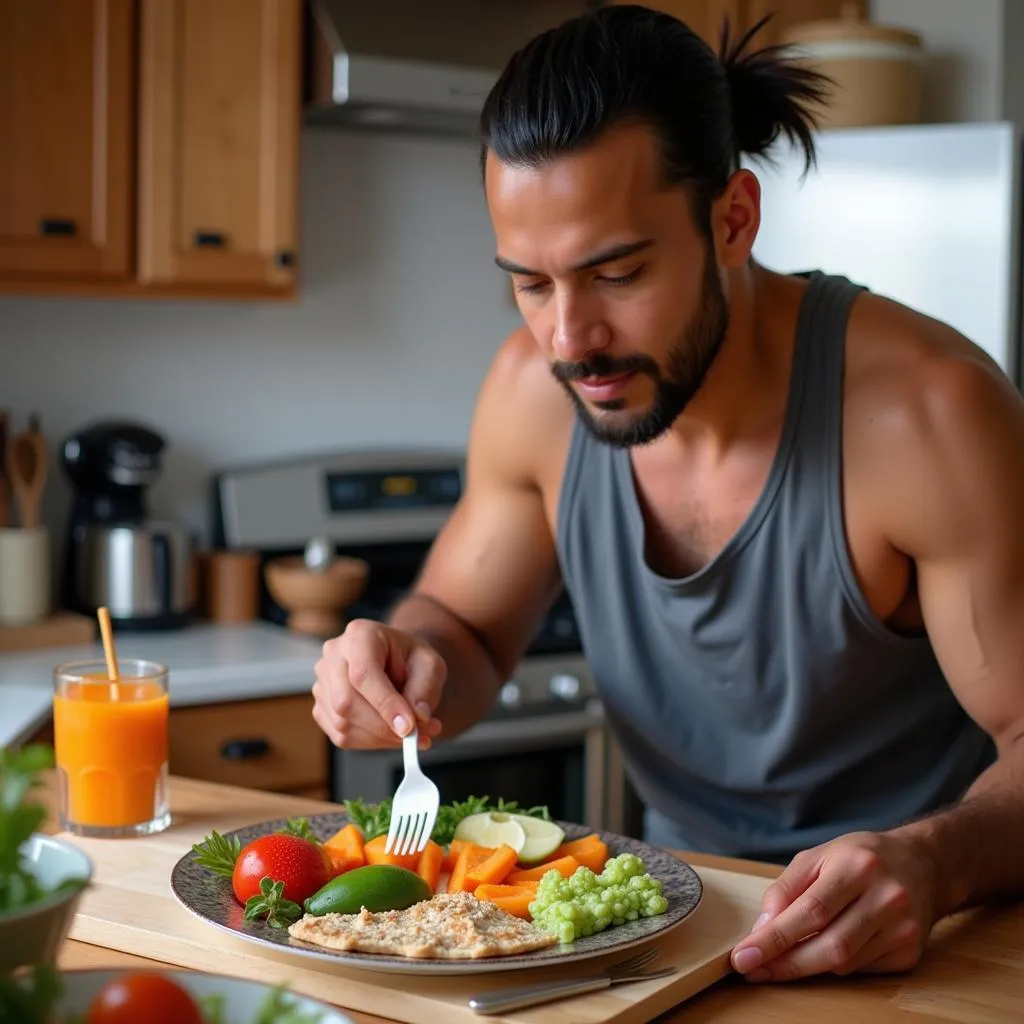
545,740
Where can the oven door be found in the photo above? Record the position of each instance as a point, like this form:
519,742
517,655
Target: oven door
555,756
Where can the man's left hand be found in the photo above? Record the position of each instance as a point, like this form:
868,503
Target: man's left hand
863,902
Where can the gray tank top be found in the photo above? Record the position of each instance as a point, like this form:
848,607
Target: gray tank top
760,705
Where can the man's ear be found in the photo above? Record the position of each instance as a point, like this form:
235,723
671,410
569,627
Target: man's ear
735,219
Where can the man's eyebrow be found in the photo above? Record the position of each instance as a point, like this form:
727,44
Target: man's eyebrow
615,252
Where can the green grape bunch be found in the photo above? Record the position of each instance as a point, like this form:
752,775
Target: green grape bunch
587,903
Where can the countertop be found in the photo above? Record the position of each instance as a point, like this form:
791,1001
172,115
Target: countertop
972,970
207,663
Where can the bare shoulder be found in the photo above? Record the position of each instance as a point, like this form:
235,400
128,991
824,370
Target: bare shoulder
929,417
523,421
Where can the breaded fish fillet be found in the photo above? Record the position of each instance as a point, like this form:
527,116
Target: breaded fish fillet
451,926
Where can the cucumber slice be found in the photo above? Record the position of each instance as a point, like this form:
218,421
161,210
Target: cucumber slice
542,838
492,829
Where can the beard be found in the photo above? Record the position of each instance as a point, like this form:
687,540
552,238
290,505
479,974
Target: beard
686,367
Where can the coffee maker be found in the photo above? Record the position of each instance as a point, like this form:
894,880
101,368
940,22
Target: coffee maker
115,555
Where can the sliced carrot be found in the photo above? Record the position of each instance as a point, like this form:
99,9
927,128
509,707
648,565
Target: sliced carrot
374,852
469,856
429,865
513,899
565,866
348,842
495,868
454,849
339,863
590,851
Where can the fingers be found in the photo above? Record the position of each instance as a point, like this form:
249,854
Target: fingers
838,884
426,674
365,654
366,683
875,928
799,874
830,950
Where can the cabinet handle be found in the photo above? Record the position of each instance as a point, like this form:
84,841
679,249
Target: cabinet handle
284,258
208,240
57,226
244,750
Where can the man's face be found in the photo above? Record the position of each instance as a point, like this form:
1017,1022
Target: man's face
614,281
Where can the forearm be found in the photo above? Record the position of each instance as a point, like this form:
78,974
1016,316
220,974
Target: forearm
976,844
473,679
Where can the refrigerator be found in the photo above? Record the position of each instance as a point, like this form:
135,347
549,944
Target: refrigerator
924,214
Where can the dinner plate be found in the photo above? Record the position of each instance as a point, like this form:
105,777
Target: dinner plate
210,898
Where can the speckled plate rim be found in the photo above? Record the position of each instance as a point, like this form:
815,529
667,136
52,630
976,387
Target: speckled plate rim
209,898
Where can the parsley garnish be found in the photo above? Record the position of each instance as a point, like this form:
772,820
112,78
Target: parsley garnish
374,819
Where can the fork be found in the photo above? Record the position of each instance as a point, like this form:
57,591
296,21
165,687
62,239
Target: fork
531,995
415,805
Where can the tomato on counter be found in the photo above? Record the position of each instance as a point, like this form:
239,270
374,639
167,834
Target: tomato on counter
149,997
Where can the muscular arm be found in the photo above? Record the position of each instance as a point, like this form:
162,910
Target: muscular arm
492,571
957,509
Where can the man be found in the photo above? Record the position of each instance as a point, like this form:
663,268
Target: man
788,512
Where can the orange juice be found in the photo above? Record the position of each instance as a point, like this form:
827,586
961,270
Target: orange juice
110,746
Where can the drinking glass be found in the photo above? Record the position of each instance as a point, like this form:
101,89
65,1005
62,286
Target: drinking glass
110,747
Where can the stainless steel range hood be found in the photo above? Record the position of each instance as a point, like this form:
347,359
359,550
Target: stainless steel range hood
399,66
418,65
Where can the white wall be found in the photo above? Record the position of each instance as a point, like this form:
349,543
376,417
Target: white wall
400,314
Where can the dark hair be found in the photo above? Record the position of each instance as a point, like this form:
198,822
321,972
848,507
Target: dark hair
627,64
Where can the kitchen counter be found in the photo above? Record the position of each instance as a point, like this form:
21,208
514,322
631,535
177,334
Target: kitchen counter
208,664
972,970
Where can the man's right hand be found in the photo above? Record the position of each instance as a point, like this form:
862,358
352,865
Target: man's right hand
374,683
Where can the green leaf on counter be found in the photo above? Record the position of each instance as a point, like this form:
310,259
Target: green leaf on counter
30,996
276,1010
20,773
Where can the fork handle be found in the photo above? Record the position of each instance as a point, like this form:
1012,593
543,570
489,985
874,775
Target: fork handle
532,995
410,751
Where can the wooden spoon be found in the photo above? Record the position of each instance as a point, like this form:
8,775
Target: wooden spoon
27,465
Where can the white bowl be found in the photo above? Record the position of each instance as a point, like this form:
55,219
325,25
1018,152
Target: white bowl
241,999
34,933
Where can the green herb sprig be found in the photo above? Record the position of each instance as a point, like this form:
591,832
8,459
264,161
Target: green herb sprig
272,905
374,819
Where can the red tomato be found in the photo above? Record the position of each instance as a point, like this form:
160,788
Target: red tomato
146,996
300,864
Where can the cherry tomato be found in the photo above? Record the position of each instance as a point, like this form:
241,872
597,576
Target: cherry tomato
145,996
298,863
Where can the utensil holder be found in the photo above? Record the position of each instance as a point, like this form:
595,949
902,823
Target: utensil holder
24,575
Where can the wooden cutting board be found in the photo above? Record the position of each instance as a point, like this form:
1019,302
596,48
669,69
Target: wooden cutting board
130,908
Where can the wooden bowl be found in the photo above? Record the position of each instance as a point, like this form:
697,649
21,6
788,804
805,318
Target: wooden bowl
314,600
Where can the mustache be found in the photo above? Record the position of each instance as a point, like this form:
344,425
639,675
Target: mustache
601,365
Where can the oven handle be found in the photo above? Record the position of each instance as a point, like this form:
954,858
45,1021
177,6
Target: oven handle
540,727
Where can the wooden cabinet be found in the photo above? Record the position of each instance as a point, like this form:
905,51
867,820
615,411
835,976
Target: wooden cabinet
270,744
218,141
150,146
66,121
705,17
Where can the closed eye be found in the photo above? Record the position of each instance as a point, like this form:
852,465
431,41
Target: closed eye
531,289
623,279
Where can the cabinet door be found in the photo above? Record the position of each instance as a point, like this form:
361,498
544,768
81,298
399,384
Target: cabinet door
66,108
218,153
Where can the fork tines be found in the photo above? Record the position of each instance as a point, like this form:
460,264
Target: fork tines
635,963
408,834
